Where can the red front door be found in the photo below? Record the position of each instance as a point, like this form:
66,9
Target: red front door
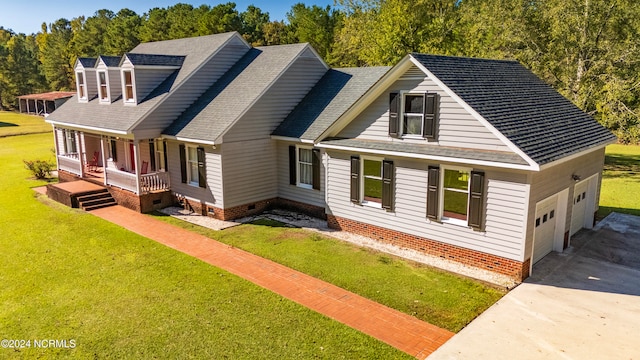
132,153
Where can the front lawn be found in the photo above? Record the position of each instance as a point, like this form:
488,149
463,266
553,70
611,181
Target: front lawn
620,190
68,275
438,297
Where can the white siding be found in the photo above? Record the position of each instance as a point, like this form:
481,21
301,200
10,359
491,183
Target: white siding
274,106
212,194
293,192
457,127
506,203
557,178
190,91
249,171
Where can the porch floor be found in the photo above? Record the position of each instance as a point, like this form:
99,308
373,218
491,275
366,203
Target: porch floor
77,187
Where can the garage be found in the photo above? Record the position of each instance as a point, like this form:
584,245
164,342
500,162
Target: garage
545,227
580,200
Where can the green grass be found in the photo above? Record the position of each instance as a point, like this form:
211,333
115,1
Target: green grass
69,275
440,298
620,190
19,124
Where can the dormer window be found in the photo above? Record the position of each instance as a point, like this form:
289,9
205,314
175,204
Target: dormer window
82,91
127,80
102,83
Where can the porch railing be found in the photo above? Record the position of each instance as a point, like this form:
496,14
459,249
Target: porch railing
154,182
70,163
121,179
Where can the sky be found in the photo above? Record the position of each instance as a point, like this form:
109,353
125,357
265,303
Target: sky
27,16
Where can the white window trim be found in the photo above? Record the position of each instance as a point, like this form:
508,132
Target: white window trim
373,204
298,177
107,100
124,87
443,218
84,85
404,135
161,166
192,182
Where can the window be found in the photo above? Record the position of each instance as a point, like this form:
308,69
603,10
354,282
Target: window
455,188
192,166
82,91
102,83
456,195
70,146
128,86
372,182
413,114
160,155
304,167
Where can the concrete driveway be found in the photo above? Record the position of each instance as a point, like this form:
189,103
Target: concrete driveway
582,304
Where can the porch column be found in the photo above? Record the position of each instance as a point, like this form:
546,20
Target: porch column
104,160
80,147
20,105
56,144
136,153
37,112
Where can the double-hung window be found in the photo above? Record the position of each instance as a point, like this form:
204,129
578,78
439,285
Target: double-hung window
103,88
127,76
70,146
82,91
456,195
372,182
192,166
413,115
304,167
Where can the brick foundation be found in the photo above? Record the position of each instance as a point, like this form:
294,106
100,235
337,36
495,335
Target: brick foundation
64,176
142,203
514,269
236,212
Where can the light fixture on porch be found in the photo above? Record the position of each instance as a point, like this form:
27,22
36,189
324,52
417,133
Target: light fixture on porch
575,177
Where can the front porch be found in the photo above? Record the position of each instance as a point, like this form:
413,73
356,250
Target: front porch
132,170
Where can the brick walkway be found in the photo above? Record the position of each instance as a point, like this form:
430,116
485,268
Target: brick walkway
404,332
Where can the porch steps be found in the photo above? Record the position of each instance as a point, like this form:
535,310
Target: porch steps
96,200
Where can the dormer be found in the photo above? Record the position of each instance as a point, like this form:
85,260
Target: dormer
86,79
140,74
108,79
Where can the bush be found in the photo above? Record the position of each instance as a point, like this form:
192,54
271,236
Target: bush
41,169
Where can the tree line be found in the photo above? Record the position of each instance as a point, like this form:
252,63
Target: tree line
588,50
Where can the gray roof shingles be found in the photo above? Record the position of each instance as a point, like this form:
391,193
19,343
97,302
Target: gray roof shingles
331,97
429,150
120,118
226,100
87,62
155,60
532,115
110,61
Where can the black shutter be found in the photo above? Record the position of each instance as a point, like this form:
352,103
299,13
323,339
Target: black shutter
387,185
164,153
183,163
202,170
394,107
476,195
432,192
114,151
430,116
152,156
355,179
316,169
292,165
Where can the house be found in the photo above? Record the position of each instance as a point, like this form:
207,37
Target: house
477,161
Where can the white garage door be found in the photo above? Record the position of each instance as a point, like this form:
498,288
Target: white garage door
580,195
545,227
